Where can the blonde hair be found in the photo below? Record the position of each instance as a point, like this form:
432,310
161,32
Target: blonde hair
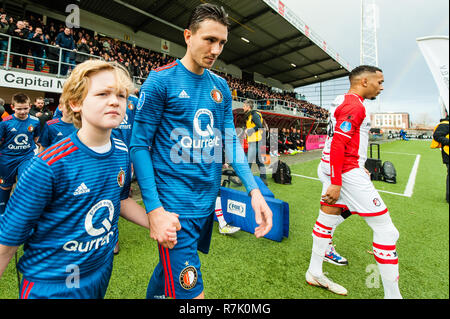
76,87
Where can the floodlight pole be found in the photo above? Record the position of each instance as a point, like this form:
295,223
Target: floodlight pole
369,37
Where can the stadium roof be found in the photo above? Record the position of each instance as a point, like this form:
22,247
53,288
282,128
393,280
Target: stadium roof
265,37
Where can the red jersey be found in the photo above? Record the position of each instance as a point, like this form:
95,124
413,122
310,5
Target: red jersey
348,137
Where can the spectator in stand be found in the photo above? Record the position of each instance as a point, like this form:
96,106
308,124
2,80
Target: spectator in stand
82,47
38,50
65,40
18,46
52,54
4,26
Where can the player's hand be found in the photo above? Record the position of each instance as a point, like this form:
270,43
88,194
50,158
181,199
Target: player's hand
332,194
263,213
367,171
163,227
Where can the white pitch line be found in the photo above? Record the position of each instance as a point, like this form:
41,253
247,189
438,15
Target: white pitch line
379,190
308,177
382,191
400,153
412,178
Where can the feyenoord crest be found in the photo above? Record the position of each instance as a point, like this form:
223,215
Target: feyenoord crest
130,106
216,95
121,178
188,277
30,128
2,180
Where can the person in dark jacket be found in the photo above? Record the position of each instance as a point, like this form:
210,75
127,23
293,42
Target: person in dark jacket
4,27
441,135
52,54
256,138
82,47
40,110
38,50
65,40
19,30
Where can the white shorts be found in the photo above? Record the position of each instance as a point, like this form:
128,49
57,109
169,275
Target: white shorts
358,195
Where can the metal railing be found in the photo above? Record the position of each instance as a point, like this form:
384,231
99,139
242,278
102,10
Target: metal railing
278,106
66,59
9,52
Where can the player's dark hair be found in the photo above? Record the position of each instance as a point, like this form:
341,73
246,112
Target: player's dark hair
207,11
20,98
362,69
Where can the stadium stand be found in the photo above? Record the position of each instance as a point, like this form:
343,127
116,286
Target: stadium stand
139,61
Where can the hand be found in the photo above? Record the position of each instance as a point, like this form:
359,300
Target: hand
38,114
332,194
163,227
367,171
263,213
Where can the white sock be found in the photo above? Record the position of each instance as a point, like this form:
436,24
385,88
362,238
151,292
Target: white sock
385,237
321,239
219,213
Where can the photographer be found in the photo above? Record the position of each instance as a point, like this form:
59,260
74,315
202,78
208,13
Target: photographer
37,49
19,30
41,111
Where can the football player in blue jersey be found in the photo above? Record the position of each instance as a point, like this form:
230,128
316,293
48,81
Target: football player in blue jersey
19,134
184,117
56,129
83,186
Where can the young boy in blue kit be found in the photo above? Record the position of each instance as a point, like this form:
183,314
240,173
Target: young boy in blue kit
19,134
83,187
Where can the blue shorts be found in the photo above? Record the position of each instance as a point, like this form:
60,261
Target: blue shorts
92,286
12,166
178,274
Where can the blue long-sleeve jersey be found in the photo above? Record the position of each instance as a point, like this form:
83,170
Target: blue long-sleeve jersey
182,122
70,217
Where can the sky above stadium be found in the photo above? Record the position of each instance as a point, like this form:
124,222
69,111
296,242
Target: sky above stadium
409,85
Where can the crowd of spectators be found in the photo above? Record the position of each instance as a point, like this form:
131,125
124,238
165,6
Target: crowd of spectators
81,44
267,97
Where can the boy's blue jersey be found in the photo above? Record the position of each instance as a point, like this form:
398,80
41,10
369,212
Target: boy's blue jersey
17,136
70,221
184,119
54,131
123,131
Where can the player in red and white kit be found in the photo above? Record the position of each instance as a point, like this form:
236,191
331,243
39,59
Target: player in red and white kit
347,184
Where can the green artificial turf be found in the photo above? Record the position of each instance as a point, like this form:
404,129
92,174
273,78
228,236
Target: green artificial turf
243,267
